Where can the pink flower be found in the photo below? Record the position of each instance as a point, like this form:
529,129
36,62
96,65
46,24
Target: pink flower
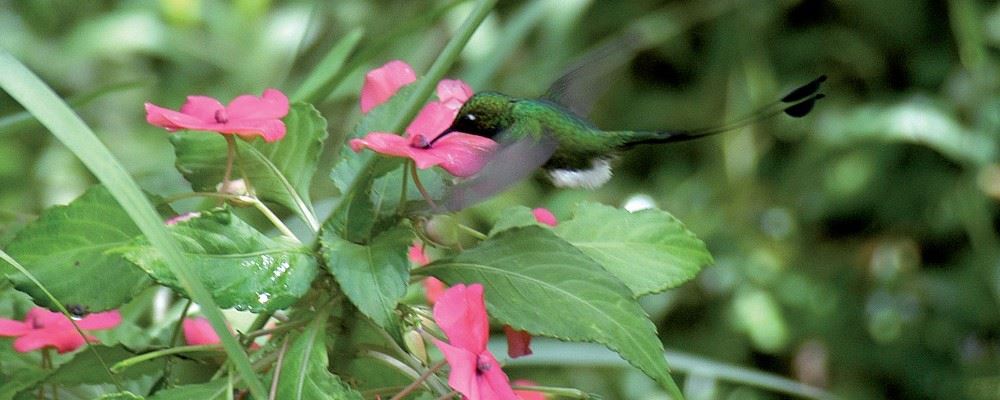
518,342
383,82
44,328
475,372
182,217
543,215
246,116
433,287
528,394
198,331
458,153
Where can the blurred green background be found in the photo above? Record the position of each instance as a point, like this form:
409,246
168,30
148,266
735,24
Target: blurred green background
856,249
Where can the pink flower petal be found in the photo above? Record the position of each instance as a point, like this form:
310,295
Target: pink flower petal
273,104
462,154
453,93
64,340
198,331
203,108
545,216
433,289
527,394
383,82
518,342
461,314
100,321
247,116
417,256
270,129
493,382
170,119
433,119
10,327
462,376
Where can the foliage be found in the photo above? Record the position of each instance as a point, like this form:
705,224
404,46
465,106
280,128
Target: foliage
853,250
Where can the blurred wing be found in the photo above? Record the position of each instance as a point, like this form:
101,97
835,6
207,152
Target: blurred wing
584,82
514,161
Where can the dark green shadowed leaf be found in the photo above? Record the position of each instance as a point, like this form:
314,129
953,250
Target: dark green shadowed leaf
86,368
649,250
203,391
304,374
66,248
537,282
374,276
240,266
280,172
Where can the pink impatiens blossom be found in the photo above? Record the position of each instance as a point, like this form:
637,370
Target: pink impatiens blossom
475,372
460,154
433,287
383,82
246,116
197,331
44,328
544,216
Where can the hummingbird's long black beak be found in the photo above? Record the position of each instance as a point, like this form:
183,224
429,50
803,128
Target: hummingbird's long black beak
443,134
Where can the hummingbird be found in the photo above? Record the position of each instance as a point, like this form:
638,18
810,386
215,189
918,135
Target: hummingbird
573,152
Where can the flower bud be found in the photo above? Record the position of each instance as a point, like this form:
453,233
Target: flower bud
414,343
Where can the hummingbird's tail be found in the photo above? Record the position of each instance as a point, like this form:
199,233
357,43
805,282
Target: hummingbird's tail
796,104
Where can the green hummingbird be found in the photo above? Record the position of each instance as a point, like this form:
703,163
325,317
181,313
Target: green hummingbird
544,132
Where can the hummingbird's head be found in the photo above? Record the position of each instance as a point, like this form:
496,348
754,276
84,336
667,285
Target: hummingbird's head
485,114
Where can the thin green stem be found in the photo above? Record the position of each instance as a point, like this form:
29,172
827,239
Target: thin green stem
128,362
420,187
556,391
257,324
283,327
230,156
259,205
168,365
277,370
401,207
474,233
419,381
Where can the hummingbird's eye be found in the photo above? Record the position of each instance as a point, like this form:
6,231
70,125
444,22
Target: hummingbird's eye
470,117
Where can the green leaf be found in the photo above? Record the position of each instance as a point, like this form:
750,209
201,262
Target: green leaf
304,374
240,266
373,276
649,250
66,248
203,391
87,368
280,172
21,379
120,396
537,282
513,217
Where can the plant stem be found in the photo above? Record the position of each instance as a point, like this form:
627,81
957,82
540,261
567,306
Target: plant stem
277,369
420,380
556,391
401,207
420,187
128,362
230,156
476,234
284,327
259,205
173,340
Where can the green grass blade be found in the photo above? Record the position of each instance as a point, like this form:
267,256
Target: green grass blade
322,78
36,97
22,120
